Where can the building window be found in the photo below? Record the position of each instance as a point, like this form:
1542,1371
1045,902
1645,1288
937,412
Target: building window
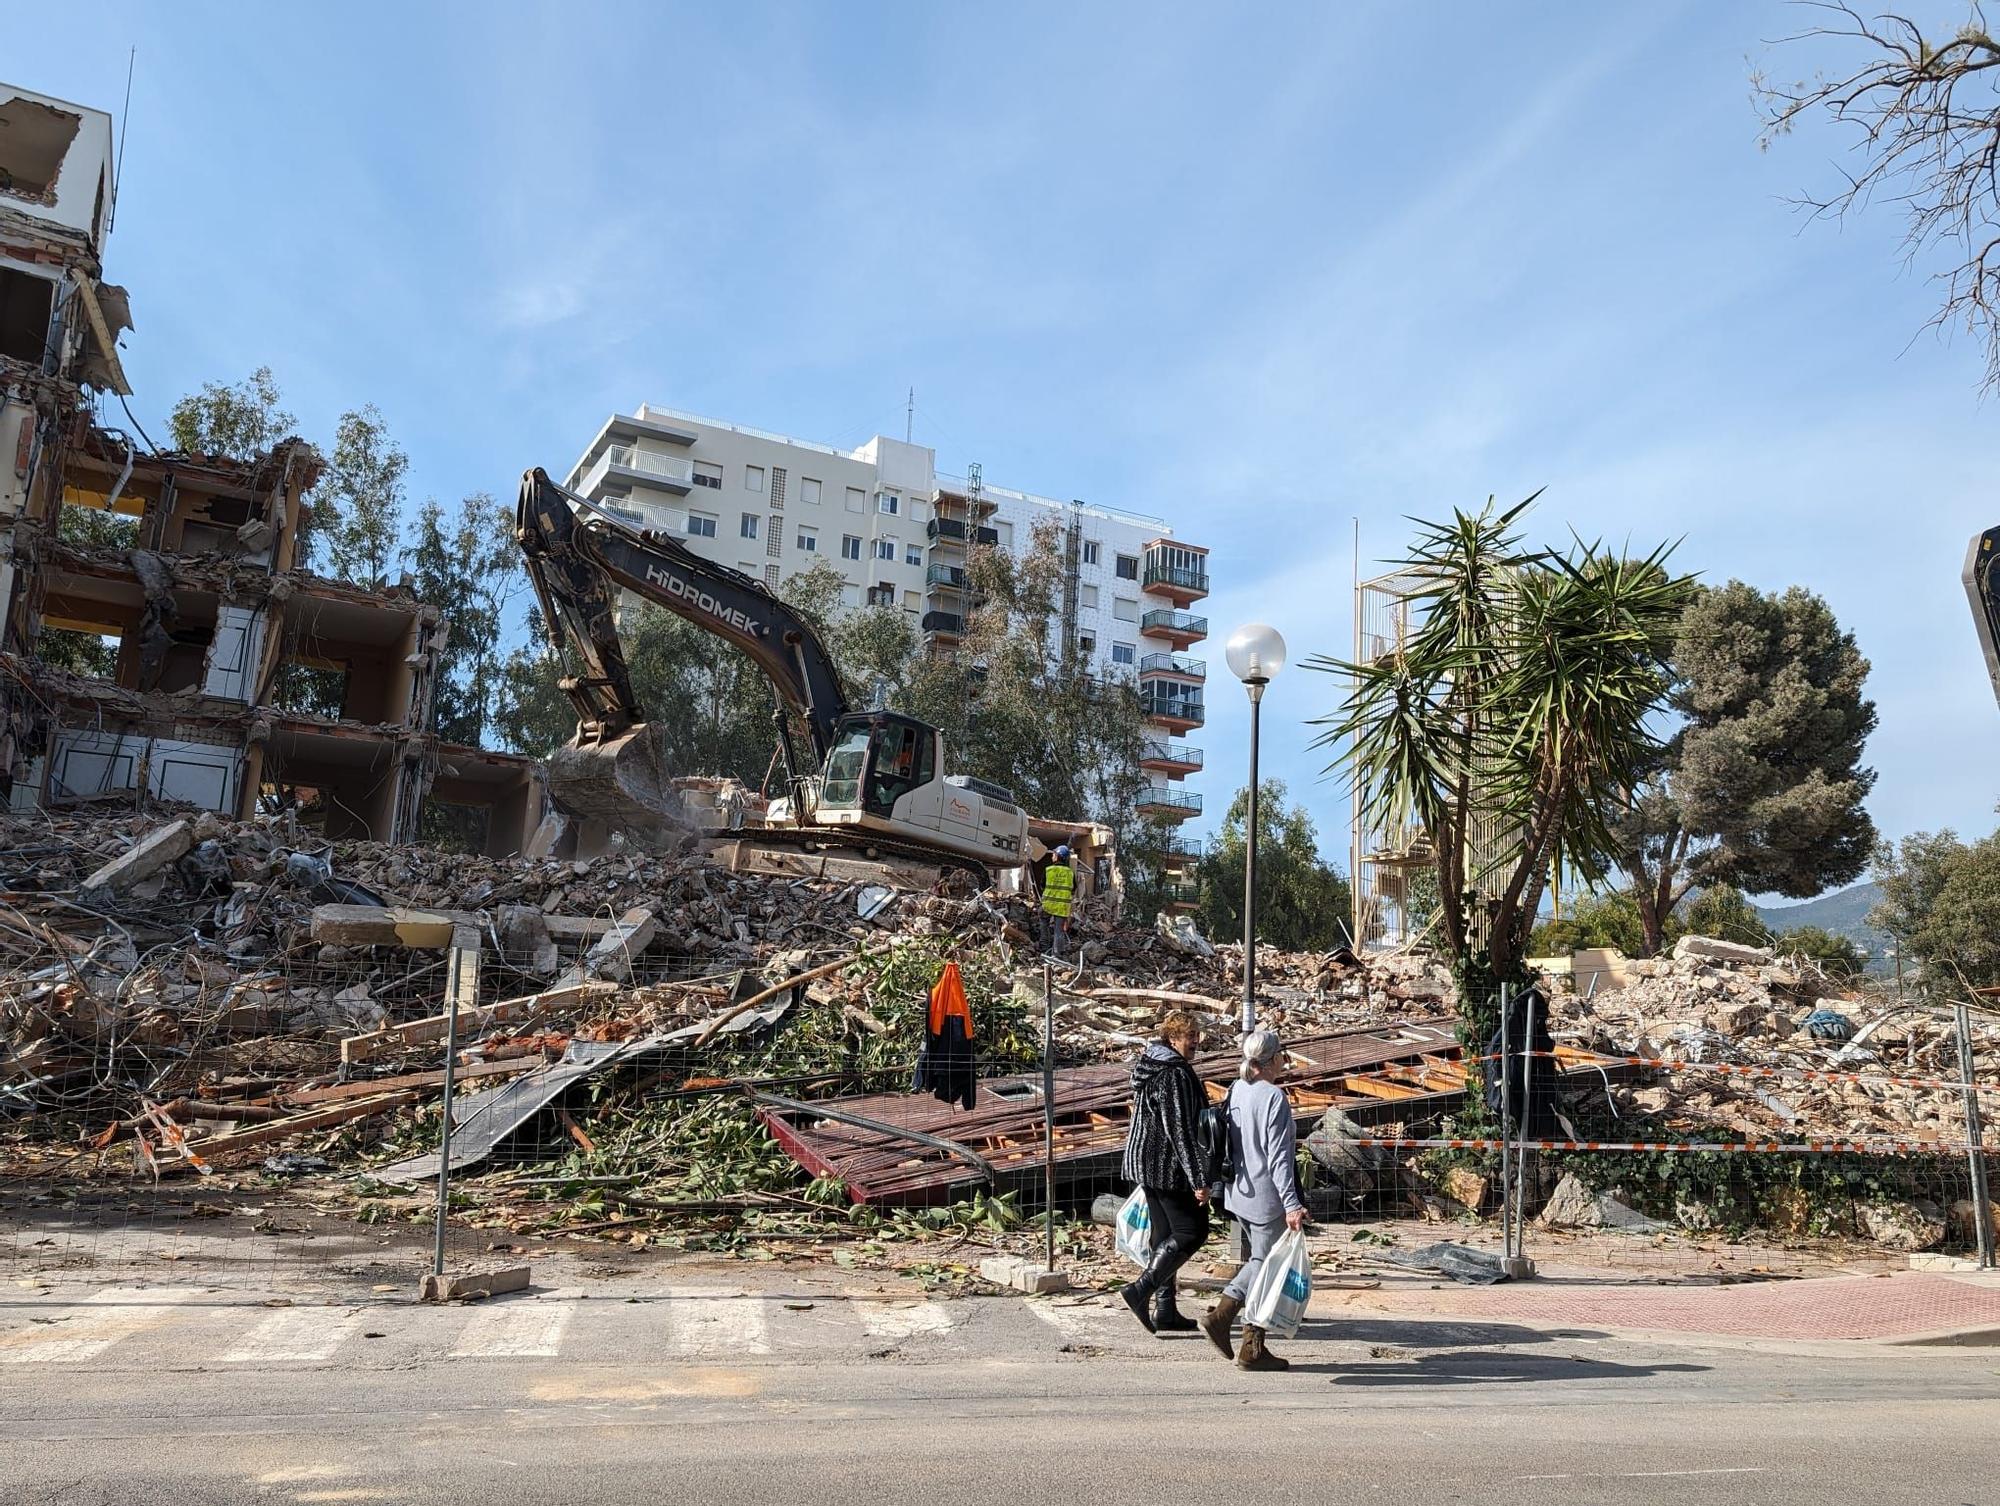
850,547
1090,551
913,555
1087,642
749,525
1090,597
708,474
888,502
857,499
920,510
808,541
850,594
881,596
753,478
913,601
1125,608
885,549
701,525
1005,532
809,490
1128,567
1124,653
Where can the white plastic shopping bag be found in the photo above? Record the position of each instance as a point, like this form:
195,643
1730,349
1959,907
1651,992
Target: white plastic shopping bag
1277,1302
1135,1229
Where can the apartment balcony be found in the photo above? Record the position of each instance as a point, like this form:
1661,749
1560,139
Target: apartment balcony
946,577
1180,894
1177,713
951,530
631,467
1181,852
943,624
1174,664
1174,805
1170,758
1178,628
1179,574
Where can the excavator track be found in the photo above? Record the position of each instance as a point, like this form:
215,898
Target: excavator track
860,842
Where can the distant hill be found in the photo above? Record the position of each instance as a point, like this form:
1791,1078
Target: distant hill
1844,912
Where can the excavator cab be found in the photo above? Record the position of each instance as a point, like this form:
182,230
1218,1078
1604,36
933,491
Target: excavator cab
876,760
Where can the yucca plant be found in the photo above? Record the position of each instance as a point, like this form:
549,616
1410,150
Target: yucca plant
1509,724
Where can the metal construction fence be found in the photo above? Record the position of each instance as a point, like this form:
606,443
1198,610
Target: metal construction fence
775,1121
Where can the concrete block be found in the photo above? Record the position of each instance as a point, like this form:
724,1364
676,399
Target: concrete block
146,857
473,1286
1021,1275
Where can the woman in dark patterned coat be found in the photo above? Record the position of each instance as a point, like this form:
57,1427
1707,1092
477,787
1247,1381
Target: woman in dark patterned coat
1164,1155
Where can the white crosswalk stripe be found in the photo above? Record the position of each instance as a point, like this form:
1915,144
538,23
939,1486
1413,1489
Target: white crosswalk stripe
1080,1321
708,1321
94,1325
904,1320
517,1328
298,1333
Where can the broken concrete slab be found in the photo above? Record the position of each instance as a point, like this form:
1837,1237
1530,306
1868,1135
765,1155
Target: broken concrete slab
1709,949
1022,1275
611,957
474,1285
370,925
152,853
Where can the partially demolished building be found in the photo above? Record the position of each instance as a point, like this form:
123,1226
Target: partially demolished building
162,637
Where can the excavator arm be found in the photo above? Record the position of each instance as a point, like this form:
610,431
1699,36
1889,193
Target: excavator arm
1982,585
578,557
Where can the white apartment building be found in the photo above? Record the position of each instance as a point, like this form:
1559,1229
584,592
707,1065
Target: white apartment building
898,530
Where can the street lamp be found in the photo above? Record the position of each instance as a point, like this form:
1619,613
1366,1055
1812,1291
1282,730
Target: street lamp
1255,653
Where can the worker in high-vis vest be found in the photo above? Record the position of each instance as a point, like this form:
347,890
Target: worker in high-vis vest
1058,898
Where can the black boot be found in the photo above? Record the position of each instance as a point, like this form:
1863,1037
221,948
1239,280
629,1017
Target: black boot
1167,1316
1159,1270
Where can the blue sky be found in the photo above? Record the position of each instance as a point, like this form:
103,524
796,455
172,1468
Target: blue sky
1261,274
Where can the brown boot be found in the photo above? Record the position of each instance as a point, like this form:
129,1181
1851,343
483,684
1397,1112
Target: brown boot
1215,1323
1254,1356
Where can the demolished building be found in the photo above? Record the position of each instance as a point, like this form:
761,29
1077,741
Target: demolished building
162,636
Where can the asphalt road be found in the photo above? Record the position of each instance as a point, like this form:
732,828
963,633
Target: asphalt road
713,1395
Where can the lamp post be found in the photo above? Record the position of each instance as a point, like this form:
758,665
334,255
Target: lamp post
1255,653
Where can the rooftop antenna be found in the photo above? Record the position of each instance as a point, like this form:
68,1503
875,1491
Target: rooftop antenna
125,121
910,416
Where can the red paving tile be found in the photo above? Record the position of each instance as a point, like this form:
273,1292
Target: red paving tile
1858,1307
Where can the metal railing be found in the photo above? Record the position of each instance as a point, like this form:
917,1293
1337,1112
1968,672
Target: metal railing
952,528
1178,577
1174,664
1166,620
943,622
1173,707
624,457
946,575
1171,800
1182,755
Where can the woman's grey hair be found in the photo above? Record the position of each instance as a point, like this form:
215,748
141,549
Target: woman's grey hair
1260,1049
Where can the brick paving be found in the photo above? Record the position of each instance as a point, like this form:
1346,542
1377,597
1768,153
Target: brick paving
1901,1305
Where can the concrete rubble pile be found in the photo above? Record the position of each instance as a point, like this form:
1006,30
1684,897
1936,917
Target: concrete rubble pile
1721,1003
178,989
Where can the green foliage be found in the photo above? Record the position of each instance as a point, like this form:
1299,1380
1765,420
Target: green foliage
470,566
1761,783
80,653
96,528
1510,724
1302,904
1722,912
360,499
1837,956
1594,920
310,689
1941,902
240,422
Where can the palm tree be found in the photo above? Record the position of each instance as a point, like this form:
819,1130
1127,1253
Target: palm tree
1508,725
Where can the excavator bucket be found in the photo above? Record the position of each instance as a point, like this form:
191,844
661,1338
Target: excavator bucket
621,785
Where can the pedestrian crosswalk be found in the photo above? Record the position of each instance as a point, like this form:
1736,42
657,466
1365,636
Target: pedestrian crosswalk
690,1324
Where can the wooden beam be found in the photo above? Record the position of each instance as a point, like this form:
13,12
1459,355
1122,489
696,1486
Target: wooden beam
361,1048
299,1124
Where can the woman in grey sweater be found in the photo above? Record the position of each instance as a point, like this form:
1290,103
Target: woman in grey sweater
1264,1197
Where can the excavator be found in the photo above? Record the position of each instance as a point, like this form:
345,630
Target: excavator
875,785
1982,585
